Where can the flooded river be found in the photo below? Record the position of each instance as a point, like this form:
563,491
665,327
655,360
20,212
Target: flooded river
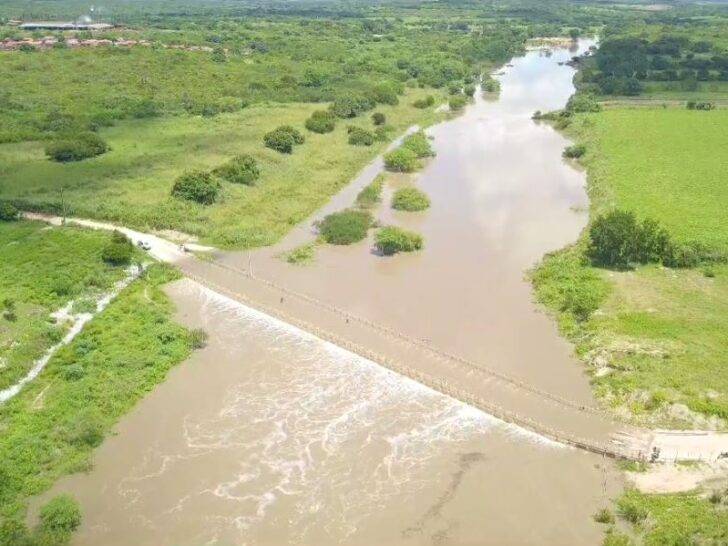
270,435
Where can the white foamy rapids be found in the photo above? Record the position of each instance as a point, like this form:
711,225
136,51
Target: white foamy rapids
317,427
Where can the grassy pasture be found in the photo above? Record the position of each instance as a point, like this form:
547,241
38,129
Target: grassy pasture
668,164
660,332
131,183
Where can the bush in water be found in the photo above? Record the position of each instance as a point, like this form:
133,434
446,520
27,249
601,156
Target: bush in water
410,199
60,516
391,239
242,169
76,147
401,160
197,186
469,90
346,227
372,194
419,144
457,103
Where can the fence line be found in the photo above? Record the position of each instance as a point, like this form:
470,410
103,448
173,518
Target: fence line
431,381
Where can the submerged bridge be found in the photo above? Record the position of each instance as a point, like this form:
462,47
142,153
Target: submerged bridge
506,397
509,398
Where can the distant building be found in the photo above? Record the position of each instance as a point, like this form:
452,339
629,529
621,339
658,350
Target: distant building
64,25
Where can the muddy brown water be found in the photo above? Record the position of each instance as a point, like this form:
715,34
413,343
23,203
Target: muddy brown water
270,435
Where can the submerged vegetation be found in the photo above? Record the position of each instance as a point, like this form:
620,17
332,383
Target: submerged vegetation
390,240
345,227
410,199
372,194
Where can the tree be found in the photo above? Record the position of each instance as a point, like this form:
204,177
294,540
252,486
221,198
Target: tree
321,121
378,118
614,239
242,169
283,139
118,251
76,147
198,186
8,212
360,137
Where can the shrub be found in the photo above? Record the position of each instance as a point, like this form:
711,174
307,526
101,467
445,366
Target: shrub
8,212
469,90
583,102
386,93
301,255
615,538
428,101
617,239
633,512
574,151
198,338
283,139
321,122
349,106
378,118
197,186
118,251
372,194
61,515
457,102
401,160
73,372
491,85
242,169
419,144
346,227
410,199
390,240
76,147
604,516
696,105
382,132
360,137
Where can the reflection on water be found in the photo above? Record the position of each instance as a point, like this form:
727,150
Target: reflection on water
272,436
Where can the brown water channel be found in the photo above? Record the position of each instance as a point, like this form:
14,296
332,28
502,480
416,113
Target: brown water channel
273,436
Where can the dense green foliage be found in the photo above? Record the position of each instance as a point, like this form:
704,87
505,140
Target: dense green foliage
8,212
419,144
391,239
574,151
360,137
283,139
241,169
378,118
401,160
197,186
118,251
301,255
346,227
76,147
457,103
410,199
41,270
321,121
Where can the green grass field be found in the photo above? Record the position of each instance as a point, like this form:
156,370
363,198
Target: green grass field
661,334
42,270
131,183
